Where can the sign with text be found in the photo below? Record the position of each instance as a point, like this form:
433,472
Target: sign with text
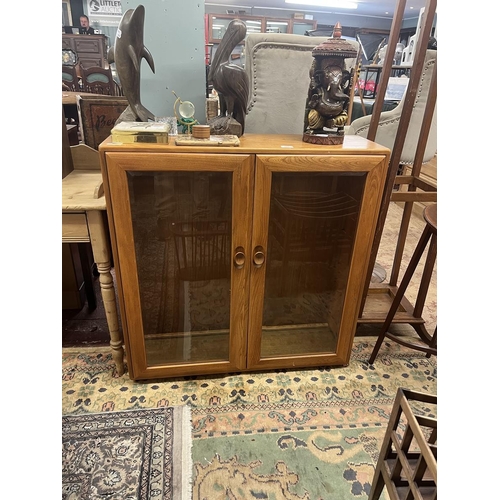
100,8
98,116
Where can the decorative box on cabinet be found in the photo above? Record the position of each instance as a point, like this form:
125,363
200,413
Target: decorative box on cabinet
241,258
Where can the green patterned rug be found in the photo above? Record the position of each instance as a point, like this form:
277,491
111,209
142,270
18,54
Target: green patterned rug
302,434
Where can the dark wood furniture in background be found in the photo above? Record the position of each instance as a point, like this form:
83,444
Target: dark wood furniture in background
70,79
91,49
98,80
239,286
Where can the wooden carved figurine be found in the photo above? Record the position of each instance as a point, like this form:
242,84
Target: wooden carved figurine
231,83
329,88
127,54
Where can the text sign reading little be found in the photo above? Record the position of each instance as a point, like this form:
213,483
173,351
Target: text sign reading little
104,7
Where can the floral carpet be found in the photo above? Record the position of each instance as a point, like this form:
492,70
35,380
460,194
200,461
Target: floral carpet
287,434
127,455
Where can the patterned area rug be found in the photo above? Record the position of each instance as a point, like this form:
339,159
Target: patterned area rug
133,454
287,434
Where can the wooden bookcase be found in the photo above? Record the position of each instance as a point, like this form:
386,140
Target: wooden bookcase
241,258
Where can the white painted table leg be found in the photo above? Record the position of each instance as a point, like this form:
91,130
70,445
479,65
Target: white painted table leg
102,257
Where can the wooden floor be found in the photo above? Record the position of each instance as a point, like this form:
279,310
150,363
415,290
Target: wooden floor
82,327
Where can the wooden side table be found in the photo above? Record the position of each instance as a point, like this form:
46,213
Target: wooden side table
83,207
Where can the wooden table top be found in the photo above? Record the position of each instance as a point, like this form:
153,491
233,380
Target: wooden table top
70,97
290,144
82,190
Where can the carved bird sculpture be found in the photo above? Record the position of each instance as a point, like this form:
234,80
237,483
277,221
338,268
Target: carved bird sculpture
230,81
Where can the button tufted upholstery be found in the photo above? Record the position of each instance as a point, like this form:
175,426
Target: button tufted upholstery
278,67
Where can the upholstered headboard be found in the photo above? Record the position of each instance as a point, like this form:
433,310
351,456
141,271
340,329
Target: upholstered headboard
278,66
389,120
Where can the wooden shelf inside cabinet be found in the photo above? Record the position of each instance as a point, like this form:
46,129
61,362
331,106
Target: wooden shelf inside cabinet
241,258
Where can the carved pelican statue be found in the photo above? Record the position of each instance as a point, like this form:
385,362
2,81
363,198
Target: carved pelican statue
228,79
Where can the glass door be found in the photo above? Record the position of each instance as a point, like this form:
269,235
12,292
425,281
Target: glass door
218,24
277,25
299,27
309,255
181,244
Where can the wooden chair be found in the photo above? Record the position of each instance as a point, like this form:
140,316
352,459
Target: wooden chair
70,80
429,344
97,80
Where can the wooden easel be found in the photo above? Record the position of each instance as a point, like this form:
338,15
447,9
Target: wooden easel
418,189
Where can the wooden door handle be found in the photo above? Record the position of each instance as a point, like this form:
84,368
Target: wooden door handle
239,258
259,256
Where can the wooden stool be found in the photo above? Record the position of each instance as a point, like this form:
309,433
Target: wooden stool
430,342
407,464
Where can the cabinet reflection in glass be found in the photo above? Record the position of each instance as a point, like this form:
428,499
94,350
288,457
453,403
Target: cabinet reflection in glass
182,238
312,226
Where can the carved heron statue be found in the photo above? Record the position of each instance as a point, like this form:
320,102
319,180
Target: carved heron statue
229,79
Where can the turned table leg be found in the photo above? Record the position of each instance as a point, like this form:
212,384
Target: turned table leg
102,257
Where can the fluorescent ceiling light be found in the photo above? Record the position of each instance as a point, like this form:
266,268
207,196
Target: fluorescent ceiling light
334,4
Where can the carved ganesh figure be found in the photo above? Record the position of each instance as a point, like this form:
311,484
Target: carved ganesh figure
328,96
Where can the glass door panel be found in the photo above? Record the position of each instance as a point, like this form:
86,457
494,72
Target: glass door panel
181,223
312,227
277,25
300,27
219,23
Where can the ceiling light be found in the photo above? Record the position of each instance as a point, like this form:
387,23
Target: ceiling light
334,4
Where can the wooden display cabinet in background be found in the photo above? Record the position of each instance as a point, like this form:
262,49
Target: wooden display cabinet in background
241,258
218,23
91,50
